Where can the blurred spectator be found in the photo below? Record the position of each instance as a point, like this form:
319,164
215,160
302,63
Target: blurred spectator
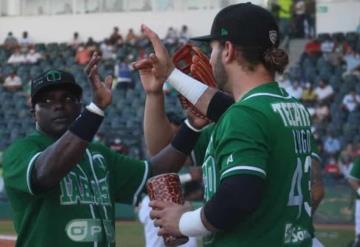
91,45
327,47
143,41
295,90
10,42
321,113
283,11
32,56
313,48
284,81
332,168
82,55
299,18
17,57
310,13
116,38
107,50
324,92
131,37
332,144
171,37
118,146
351,101
123,75
308,96
75,41
184,35
12,83
330,53
345,161
25,40
352,60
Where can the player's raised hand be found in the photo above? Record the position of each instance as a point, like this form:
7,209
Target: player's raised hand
155,69
101,91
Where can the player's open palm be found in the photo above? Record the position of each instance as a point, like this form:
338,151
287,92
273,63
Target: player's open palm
155,69
101,91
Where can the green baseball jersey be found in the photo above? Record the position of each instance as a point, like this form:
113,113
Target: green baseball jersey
266,134
198,153
80,210
355,172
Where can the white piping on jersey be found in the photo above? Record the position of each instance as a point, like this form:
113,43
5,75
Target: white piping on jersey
266,94
307,208
94,217
141,186
97,183
315,155
28,172
249,168
96,179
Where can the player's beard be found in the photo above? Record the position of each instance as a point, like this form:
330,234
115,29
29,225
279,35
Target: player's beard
220,75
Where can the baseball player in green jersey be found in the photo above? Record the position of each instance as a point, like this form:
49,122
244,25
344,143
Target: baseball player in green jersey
61,186
257,164
354,180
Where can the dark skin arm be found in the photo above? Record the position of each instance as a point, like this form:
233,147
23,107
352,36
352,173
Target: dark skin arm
317,185
49,168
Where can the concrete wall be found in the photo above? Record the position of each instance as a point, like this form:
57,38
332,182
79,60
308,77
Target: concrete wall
337,15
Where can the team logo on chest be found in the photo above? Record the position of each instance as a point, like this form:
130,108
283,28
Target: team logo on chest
89,186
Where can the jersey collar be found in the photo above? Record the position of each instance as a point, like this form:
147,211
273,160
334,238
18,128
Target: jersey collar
269,89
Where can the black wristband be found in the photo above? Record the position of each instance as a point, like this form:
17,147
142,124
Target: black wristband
86,125
219,103
185,139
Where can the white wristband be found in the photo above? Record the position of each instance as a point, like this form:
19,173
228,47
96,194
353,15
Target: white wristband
188,124
358,191
191,225
184,178
187,86
95,109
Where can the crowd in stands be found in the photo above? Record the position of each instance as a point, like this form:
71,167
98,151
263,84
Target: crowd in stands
326,79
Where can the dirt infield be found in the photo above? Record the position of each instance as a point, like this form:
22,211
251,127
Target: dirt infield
7,240
7,243
334,226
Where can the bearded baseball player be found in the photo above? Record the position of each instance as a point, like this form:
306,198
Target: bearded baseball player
257,168
61,186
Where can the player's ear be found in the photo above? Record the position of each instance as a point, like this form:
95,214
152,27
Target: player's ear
229,52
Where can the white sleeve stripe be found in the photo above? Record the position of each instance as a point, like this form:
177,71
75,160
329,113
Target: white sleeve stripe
249,168
139,189
28,172
316,156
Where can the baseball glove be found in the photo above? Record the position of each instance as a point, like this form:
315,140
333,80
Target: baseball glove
190,60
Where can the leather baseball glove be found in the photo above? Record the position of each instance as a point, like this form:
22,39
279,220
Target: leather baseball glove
190,60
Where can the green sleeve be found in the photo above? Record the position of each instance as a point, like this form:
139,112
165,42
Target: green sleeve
242,147
314,150
127,177
201,145
19,159
355,170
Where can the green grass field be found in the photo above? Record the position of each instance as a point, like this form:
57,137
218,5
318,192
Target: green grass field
130,234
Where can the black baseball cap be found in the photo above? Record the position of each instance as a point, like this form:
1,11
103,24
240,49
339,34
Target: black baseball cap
54,79
244,24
